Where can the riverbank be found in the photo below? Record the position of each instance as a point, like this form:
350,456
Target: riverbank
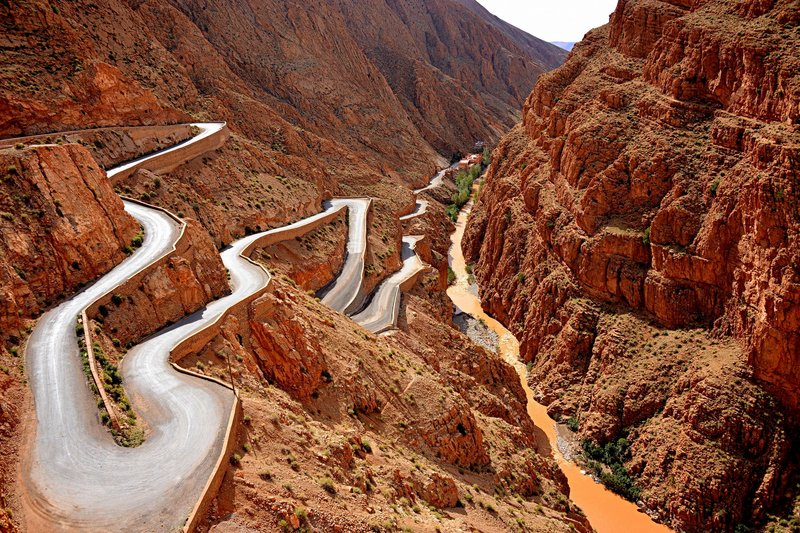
606,511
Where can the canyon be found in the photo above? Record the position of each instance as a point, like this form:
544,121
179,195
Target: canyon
232,221
638,233
338,428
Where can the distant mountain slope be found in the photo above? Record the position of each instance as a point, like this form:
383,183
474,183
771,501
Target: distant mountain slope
564,44
460,72
457,72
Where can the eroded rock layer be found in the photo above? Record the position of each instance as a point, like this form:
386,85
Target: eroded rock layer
639,233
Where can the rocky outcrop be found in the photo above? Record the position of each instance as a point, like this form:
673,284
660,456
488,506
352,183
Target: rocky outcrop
651,187
62,226
439,491
173,287
289,358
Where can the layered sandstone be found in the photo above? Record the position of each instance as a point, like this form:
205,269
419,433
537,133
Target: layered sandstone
62,226
177,285
652,187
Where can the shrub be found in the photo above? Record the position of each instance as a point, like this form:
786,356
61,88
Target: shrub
452,212
327,485
646,236
265,476
572,423
714,187
614,476
236,459
451,276
366,446
116,299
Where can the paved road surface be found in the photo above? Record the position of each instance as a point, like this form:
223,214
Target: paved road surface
421,208
206,129
435,181
382,311
344,293
79,478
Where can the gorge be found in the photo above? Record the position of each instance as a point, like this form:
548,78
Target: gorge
234,295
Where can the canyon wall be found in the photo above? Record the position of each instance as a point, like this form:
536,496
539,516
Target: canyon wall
639,233
62,226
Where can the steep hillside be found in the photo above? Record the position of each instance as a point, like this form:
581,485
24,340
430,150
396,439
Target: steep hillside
313,113
459,72
639,233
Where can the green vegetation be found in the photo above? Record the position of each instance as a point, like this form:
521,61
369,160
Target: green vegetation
572,423
464,181
137,240
129,435
607,462
451,276
452,212
327,485
714,187
646,236
487,157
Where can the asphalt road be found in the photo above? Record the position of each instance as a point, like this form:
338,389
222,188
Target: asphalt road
206,129
435,181
79,479
382,311
344,293
420,209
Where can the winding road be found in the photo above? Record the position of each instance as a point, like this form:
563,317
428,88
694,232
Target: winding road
382,312
384,308
78,478
343,294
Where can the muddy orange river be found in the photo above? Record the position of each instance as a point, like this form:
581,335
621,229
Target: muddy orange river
607,512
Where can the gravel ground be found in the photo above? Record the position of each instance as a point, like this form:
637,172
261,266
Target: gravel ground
477,331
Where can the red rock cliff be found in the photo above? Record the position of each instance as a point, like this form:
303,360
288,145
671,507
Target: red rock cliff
653,186
62,226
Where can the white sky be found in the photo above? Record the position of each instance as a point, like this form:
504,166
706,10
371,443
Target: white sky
559,20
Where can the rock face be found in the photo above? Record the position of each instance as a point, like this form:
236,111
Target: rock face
174,287
62,226
459,72
652,186
385,77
